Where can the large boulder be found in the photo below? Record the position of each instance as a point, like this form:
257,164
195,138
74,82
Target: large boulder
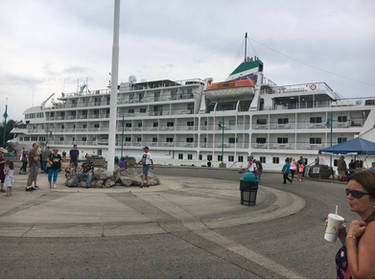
119,177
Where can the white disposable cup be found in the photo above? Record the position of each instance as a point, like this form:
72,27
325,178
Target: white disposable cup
334,223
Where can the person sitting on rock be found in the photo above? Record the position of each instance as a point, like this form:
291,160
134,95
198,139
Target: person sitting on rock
123,163
70,171
87,169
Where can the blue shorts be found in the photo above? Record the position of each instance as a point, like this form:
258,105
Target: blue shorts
146,168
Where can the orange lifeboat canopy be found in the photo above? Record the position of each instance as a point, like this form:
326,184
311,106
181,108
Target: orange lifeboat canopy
232,84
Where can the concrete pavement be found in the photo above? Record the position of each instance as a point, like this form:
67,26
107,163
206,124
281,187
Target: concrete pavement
191,209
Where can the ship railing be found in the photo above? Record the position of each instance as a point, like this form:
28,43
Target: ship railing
87,93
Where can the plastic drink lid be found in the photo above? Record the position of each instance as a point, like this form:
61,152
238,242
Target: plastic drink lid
336,217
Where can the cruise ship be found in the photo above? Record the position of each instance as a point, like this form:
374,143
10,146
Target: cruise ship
194,121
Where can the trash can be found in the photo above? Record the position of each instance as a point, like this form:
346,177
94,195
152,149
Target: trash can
248,192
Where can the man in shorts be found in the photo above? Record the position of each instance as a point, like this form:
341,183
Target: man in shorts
74,156
34,163
146,161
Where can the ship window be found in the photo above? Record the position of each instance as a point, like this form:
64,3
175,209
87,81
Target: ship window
342,118
174,94
275,160
156,95
261,140
262,159
42,138
74,139
219,158
180,156
190,156
139,124
156,124
230,158
283,121
140,96
139,139
209,157
84,126
190,140
232,122
84,138
315,140
200,157
169,139
131,97
128,125
205,139
96,125
233,140
142,110
154,139
282,140
316,120
190,123
170,124
131,111
128,139
341,140
61,138
21,139
240,158
261,121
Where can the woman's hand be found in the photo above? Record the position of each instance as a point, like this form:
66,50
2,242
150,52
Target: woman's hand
357,228
342,234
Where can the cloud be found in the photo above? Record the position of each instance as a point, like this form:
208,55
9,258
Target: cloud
76,69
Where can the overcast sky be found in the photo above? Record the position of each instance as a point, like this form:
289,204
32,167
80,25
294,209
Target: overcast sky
47,45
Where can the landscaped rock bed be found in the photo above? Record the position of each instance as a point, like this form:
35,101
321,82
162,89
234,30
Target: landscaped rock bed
120,177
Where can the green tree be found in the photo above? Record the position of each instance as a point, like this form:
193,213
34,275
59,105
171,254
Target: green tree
10,125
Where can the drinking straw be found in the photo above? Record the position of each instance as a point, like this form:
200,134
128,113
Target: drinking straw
337,207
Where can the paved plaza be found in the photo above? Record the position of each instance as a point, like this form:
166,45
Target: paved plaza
190,226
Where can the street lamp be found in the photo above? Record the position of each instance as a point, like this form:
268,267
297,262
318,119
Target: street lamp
122,135
330,125
221,124
5,126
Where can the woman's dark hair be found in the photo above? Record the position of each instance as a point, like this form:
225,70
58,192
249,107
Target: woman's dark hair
122,158
367,180
10,164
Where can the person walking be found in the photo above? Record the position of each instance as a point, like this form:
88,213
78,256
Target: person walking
286,171
356,257
372,166
34,163
45,156
301,170
9,177
341,168
146,161
293,168
24,161
2,174
87,169
74,156
259,168
54,161
304,162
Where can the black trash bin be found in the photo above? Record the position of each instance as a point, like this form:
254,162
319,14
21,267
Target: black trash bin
248,192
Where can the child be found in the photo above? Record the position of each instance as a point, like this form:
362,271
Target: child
9,177
70,171
300,172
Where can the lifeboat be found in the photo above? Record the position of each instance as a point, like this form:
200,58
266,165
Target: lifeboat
239,89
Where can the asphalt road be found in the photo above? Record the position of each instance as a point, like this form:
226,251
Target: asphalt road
292,243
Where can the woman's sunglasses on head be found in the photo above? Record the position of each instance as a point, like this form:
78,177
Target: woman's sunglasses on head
355,194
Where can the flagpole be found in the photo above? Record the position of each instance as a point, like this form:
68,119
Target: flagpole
114,82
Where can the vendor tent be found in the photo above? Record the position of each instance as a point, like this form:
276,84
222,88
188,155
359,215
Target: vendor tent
357,145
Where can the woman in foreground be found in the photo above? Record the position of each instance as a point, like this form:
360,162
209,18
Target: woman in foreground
356,259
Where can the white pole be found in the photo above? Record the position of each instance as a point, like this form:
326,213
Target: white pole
114,82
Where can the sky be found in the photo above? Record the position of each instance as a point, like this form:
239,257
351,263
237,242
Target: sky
49,46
